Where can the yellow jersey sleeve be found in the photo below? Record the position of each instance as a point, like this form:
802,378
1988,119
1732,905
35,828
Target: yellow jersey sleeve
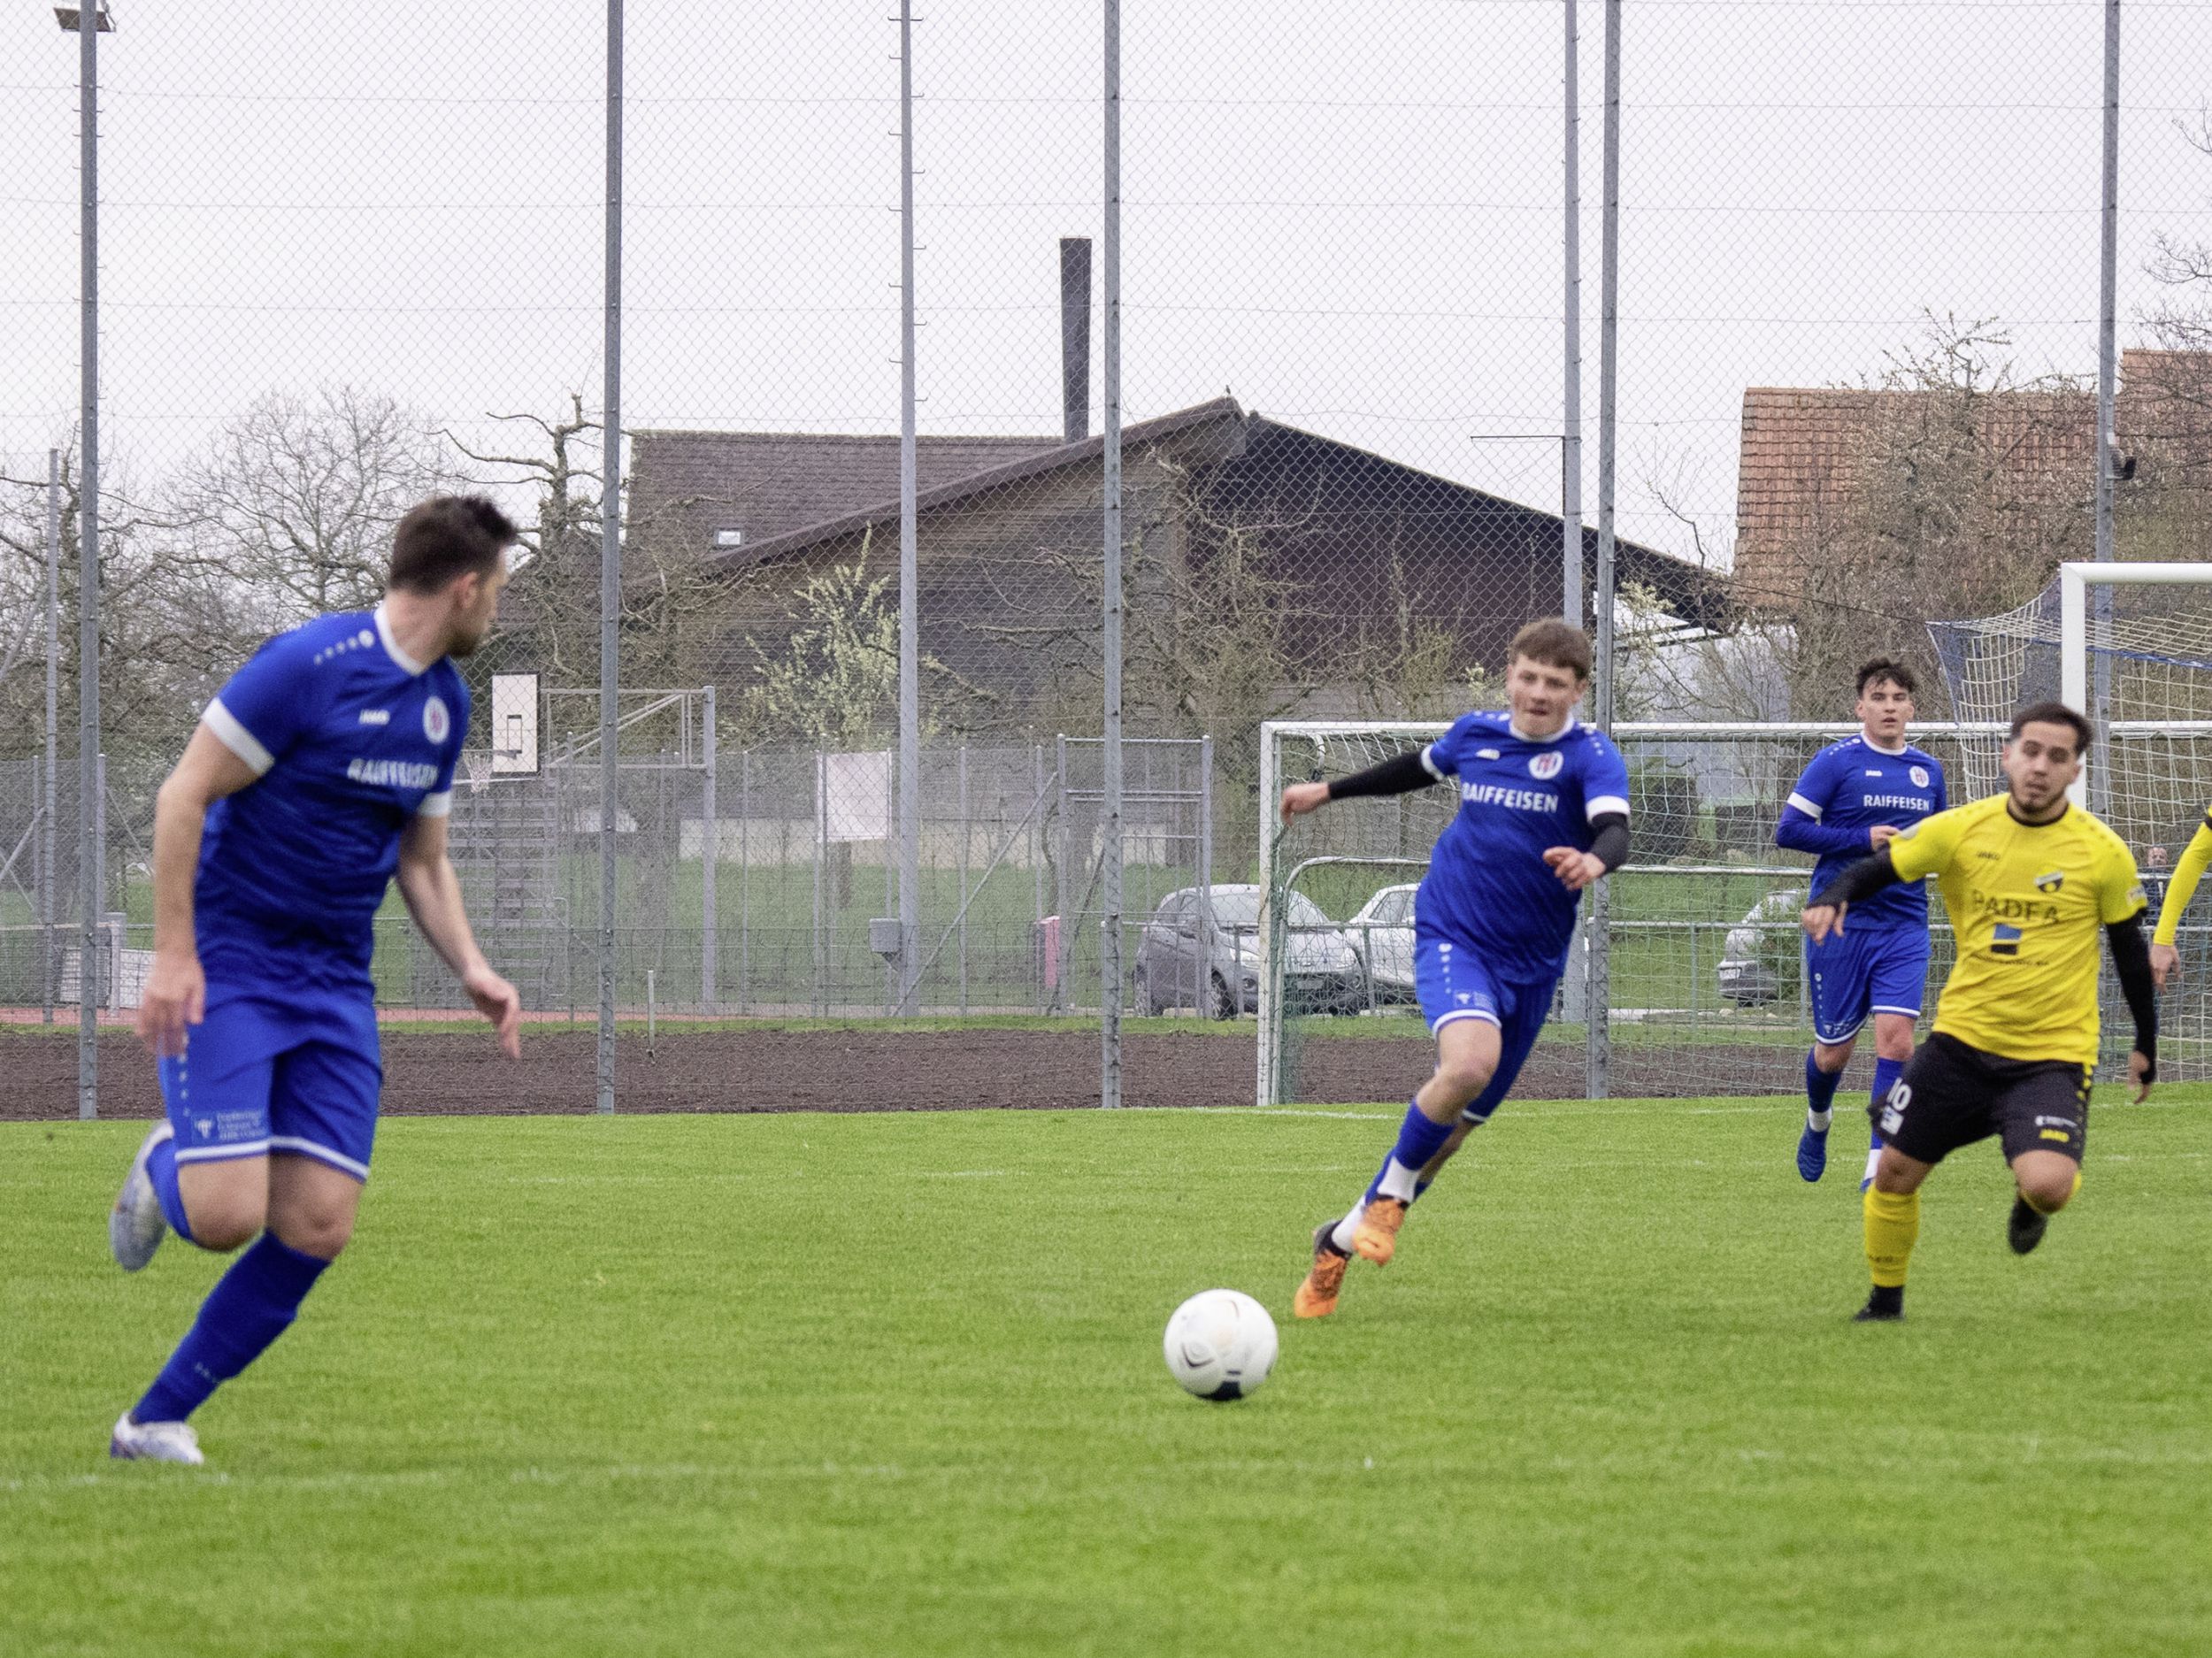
2120,891
1926,847
2187,873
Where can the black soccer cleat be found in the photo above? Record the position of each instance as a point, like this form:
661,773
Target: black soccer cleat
2024,1227
1884,1306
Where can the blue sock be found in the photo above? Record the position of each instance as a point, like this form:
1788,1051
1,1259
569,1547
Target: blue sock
1886,1073
250,1306
1419,1140
1820,1086
161,1169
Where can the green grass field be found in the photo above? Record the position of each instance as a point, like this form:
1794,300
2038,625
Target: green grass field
892,1385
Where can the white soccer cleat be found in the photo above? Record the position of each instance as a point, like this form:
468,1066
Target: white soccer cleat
135,1226
155,1442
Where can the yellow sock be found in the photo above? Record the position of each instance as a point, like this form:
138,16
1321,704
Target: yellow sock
1893,1225
2072,1193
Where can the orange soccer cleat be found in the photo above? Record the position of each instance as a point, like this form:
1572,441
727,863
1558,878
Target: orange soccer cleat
1376,1237
1316,1296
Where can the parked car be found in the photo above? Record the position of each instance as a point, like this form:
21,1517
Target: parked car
1761,959
1200,949
1382,932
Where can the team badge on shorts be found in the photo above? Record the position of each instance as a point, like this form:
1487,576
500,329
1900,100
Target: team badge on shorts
436,723
1546,766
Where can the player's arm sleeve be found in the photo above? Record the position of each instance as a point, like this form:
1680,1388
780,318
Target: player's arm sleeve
1609,845
267,705
2183,887
1800,829
1862,880
1400,774
2132,961
1923,848
1605,785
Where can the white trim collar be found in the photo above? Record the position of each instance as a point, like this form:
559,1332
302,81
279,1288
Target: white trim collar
1519,736
391,645
1893,753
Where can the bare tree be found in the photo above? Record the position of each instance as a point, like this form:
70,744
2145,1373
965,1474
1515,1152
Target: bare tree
299,494
674,602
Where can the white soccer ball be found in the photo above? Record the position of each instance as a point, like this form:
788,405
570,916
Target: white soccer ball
1220,1345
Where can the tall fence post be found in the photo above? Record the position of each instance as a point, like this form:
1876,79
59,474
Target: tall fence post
744,878
610,564
49,845
710,855
1110,897
967,835
1598,1054
1062,889
90,845
821,857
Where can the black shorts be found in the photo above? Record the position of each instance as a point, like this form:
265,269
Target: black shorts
1952,1096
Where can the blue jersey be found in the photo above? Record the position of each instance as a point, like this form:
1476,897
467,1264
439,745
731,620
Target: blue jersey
1519,796
1849,787
351,738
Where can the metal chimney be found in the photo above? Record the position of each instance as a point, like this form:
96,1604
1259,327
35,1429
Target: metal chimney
1075,337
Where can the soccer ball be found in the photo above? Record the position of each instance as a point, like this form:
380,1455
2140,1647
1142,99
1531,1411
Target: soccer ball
1220,1345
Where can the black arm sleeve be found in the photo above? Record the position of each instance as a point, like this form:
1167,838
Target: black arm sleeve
1400,774
1863,879
2131,960
1611,844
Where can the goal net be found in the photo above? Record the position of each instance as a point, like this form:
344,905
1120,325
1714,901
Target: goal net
2130,644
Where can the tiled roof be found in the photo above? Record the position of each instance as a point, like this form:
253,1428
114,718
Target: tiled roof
768,484
1801,447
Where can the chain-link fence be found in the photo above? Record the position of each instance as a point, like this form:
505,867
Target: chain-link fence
1316,297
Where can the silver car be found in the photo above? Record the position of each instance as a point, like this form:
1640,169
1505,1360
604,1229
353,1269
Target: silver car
1201,950
1382,932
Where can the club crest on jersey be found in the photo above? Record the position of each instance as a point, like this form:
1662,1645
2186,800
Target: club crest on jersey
1919,775
1546,766
437,725
2050,883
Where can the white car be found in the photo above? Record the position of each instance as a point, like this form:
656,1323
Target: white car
1382,932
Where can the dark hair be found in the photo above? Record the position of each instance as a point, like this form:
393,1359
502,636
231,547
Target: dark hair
1555,643
447,536
1882,667
2056,714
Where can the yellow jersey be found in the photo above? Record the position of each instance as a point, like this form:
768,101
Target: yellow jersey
2027,902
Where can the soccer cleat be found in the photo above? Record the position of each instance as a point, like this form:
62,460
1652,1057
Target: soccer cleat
1316,1296
1376,1237
155,1442
135,1227
1884,1306
2024,1227
1812,1153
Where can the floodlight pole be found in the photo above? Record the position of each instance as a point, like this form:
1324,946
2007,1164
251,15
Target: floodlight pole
1110,623
1572,605
89,16
610,563
909,796
1598,1048
2107,375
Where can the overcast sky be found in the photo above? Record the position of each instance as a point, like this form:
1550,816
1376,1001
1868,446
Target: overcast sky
1349,217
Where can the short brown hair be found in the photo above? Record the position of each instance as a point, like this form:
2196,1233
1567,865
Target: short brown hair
1555,643
2056,714
1896,673
447,536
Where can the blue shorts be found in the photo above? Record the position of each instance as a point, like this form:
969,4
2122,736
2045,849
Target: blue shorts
1853,974
258,1077
1453,982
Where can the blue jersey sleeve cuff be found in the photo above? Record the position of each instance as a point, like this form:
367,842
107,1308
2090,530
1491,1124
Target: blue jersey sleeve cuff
1804,805
1598,805
437,805
235,737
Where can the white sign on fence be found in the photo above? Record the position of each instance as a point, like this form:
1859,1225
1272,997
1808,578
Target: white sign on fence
855,802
